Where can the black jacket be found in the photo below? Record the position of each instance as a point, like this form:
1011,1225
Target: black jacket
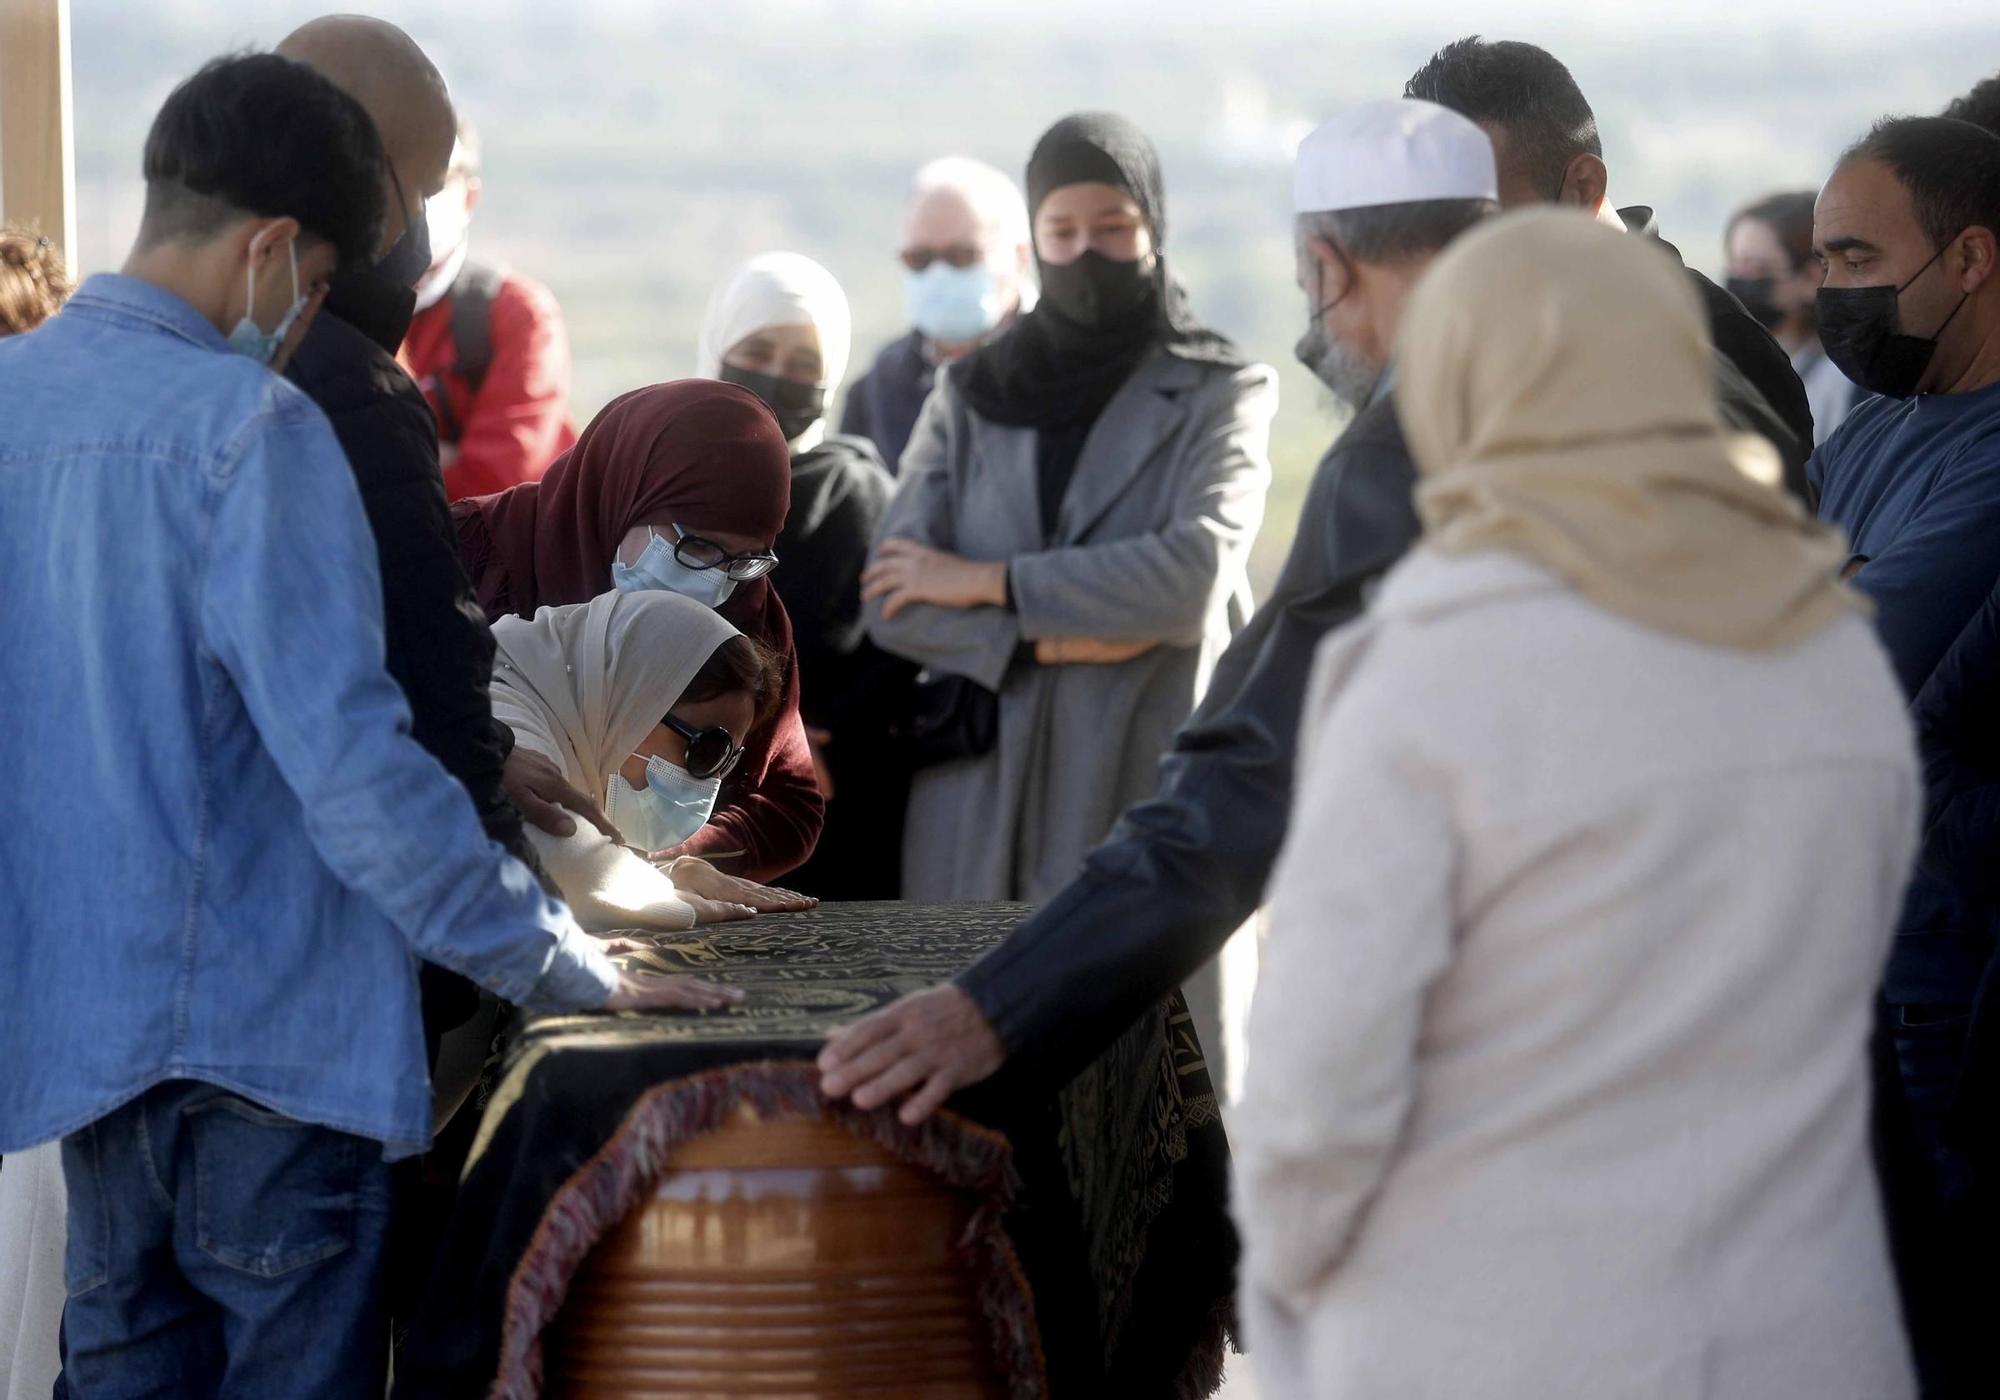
840,492
439,648
1761,393
1946,941
1184,870
1945,957
847,685
1959,738
883,404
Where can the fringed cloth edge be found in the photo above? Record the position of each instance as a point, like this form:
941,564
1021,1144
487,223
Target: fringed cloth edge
626,1169
1220,1335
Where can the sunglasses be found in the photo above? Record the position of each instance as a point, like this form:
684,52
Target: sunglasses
959,255
711,753
695,552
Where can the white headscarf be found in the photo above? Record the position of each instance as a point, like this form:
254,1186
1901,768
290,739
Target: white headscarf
585,684
778,289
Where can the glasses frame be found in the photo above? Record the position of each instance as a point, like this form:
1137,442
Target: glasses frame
732,752
740,567
958,255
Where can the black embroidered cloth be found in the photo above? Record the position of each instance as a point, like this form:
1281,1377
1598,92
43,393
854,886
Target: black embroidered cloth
1115,1205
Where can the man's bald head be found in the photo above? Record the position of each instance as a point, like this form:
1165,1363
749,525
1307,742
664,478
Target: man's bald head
381,67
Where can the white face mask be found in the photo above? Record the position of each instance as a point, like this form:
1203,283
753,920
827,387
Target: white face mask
449,215
253,340
669,810
450,221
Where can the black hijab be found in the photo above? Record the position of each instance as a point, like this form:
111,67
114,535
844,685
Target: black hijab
1049,371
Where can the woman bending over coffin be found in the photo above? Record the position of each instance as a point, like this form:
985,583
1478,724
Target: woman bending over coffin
649,700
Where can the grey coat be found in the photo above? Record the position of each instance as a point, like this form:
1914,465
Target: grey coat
1151,545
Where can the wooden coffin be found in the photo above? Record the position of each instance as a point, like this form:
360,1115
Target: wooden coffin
778,1258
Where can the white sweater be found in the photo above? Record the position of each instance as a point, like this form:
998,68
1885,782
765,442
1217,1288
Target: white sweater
1557,1078
606,886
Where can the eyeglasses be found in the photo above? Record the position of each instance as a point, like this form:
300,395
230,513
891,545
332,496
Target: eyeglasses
959,255
695,552
711,752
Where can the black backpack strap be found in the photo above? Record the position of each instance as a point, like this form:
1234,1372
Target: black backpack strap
472,320
473,341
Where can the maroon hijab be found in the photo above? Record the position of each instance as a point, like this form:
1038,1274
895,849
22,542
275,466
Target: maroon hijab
695,452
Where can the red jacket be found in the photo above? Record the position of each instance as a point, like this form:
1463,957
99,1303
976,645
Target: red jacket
518,421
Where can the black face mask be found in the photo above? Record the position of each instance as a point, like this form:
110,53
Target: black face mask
1096,292
1859,326
1758,295
410,258
797,406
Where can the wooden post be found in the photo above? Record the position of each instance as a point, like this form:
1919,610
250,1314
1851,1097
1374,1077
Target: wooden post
37,133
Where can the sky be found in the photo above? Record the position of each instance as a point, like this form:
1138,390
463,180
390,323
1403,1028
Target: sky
637,149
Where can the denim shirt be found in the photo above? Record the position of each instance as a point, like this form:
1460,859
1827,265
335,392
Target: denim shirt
222,853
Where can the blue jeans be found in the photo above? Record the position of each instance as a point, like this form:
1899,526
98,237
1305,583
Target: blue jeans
219,1249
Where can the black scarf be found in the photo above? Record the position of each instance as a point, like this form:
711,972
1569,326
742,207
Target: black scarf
1054,375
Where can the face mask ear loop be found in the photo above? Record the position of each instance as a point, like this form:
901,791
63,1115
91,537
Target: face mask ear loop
1921,271
402,201
1935,258
1939,332
1962,300
1319,289
250,277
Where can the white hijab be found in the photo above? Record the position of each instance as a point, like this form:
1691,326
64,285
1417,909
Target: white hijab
585,684
779,289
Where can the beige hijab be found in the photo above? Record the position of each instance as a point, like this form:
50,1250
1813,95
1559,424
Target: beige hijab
585,684
1556,384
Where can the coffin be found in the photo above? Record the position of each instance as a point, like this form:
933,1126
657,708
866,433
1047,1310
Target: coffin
779,1257
665,1205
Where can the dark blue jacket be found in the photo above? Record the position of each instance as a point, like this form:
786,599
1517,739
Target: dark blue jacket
1915,483
1955,896
1947,956
882,405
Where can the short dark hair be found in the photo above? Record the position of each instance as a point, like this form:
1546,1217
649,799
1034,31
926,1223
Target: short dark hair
1951,169
1519,88
1389,233
1789,216
740,666
257,134
1981,106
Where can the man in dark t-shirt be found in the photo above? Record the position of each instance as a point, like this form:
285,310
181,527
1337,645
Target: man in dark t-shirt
1910,310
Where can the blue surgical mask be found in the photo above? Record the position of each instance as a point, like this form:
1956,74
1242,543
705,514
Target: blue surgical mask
669,810
658,569
253,340
953,305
